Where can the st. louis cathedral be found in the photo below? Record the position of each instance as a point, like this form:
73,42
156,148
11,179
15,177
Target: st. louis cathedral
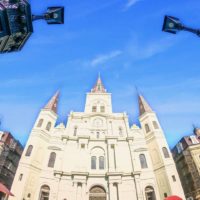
96,156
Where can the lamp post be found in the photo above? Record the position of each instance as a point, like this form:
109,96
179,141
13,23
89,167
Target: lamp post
16,23
173,25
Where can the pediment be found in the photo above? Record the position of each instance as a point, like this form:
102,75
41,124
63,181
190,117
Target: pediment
55,148
140,149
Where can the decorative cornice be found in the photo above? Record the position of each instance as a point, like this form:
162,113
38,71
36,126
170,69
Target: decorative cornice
83,137
87,174
114,173
111,137
130,138
136,173
64,137
74,173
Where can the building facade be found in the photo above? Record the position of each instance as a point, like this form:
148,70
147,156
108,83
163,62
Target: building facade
96,156
186,155
10,153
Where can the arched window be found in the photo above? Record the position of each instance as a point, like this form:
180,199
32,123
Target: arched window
75,130
29,195
97,134
155,125
150,193
94,109
97,192
101,162
20,177
173,178
93,162
29,150
147,129
143,161
120,131
44,192
48,127
52,159
102,108
97,158
40,123
165,152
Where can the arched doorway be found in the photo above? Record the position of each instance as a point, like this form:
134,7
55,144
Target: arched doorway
97,193
150,193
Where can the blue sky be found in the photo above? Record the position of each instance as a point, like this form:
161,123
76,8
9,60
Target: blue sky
121,39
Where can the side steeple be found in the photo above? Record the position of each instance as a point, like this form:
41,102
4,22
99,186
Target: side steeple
163,163
48,115
53,102
144,107
99,87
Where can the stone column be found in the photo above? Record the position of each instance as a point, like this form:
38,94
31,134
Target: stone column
84,188
76,186
79,191
116,153
111,157
113,191
110,128
74,189
138,187
120,193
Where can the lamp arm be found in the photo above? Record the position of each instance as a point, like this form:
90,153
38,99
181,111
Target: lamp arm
192,30
46,16
37,17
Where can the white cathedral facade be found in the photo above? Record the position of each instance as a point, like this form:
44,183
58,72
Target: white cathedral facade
96,156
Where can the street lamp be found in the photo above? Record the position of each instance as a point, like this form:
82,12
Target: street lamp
16,23
173,25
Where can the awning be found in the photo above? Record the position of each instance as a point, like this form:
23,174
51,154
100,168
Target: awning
5,190
174,197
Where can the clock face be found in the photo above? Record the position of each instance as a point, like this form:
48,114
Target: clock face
98,122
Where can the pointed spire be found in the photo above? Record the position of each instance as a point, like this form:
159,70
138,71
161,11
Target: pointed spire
143,105
52,104
99,87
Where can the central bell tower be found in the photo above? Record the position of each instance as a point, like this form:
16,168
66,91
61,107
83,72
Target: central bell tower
98,100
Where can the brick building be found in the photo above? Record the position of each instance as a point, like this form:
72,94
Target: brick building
186,154
10,153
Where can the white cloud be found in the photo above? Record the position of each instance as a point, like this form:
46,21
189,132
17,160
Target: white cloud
52,38
130,3
30,81
27,81
190,84
86,8
105,57
178,108
138,50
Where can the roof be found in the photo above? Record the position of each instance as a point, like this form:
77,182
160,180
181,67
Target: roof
99,87
52,104
143,105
